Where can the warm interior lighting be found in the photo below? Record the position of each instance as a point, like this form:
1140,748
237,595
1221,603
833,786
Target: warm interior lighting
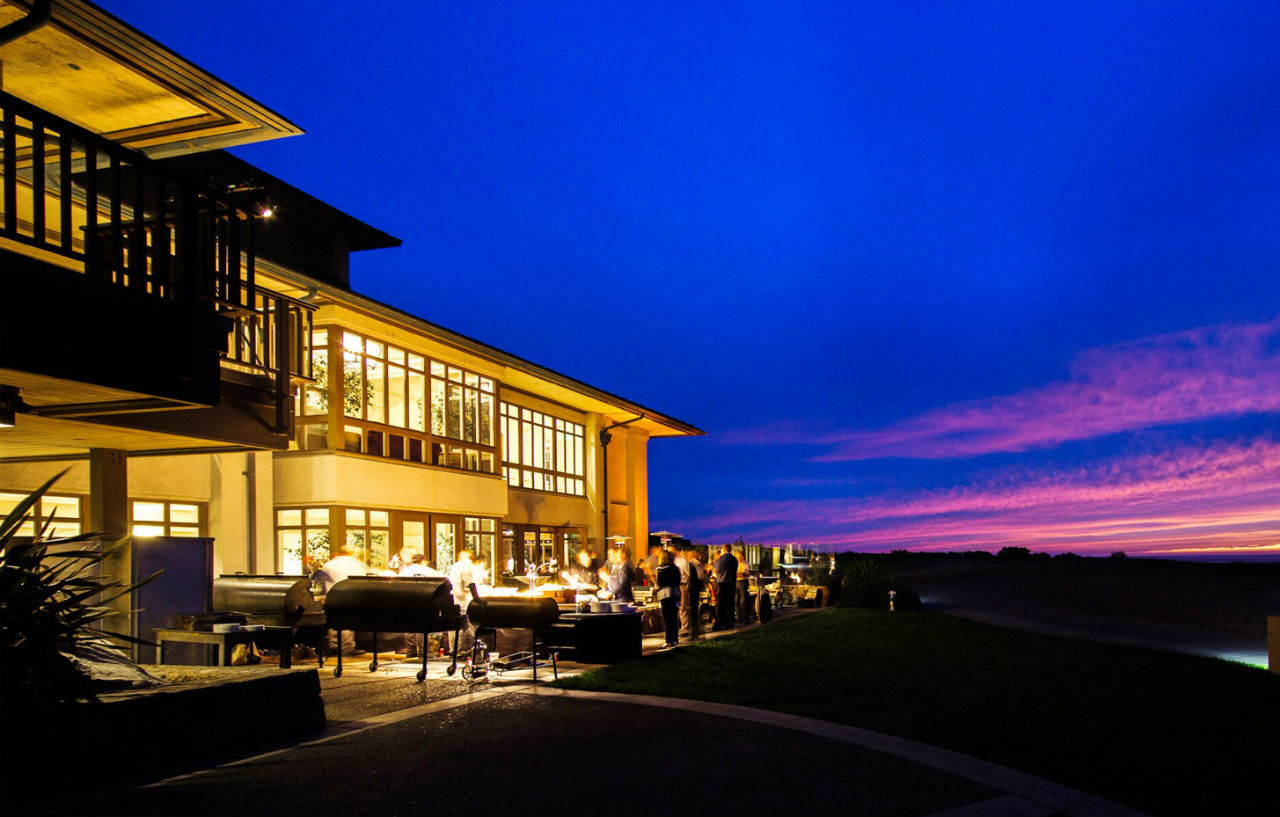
267,211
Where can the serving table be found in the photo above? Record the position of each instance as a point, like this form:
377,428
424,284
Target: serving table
276,638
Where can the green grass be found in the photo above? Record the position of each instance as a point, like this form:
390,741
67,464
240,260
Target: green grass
1162,732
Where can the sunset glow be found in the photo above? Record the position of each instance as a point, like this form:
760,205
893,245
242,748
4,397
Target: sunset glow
1177,487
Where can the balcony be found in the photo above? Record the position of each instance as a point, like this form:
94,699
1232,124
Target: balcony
119,273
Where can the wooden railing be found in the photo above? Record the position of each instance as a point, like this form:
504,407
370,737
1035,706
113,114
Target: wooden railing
123,218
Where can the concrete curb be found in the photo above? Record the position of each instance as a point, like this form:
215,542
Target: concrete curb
1037,791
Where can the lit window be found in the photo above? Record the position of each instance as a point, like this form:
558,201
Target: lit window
541,451
163,518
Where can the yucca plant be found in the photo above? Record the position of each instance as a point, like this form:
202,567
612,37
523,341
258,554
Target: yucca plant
51,596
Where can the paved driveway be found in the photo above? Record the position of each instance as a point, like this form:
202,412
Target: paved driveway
520,753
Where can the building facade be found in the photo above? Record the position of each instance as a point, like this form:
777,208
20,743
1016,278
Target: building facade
178,333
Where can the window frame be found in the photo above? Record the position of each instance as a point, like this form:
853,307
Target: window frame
535,435
392,432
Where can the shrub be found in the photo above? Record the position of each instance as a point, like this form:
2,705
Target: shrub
866,582
1013,553
50,600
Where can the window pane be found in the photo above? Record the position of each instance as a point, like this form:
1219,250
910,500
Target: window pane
437,368
352,343
437,407
148,530
9,501
355,516
538,450
397,390
60,529
317,516
379,519
179,530
356,541
416,362
372,347
379,550
316,399
67,507
148,512
455,375
290,551
395,355
289,518
471,380
417,404
375,391
486,419
352,438
352,385
469,415
318,550
453,428
185,514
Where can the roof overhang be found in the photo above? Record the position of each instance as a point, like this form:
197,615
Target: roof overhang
93,69
516,372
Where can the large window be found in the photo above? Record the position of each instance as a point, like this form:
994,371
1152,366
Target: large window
303,538
369,536
398,404
61,514
161,518
542,452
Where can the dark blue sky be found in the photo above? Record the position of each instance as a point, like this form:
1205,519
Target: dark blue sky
802,223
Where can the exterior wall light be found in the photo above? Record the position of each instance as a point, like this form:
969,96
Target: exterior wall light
10,402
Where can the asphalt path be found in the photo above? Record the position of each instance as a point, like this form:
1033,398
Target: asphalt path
533,755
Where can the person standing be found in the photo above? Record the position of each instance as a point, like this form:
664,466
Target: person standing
686,600
621,576
743,595
725,573
462,577
697,581
667,578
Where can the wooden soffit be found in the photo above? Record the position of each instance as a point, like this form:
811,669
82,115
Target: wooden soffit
92,69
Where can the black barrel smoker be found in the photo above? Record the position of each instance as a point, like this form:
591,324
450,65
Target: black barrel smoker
276,601
401,604
537,615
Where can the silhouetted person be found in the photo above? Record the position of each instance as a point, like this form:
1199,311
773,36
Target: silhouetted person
725,573
668,594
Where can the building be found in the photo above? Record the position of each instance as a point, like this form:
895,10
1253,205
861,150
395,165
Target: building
177,329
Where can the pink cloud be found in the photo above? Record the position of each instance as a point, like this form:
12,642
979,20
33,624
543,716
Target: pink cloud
1228,370
1191,498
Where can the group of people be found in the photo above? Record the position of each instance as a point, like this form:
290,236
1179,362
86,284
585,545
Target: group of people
680,578
616,577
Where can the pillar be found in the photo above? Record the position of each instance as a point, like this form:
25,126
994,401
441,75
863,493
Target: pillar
108,515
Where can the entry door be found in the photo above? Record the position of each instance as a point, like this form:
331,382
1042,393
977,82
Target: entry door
444,538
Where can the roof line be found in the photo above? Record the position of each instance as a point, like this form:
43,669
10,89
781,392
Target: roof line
469,344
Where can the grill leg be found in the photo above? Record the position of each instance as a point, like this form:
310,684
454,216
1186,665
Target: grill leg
453,667
337,671
373,665
422,674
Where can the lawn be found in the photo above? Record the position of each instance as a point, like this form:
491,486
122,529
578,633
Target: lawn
1162,732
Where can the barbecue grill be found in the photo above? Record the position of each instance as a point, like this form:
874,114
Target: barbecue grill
537,615
378,604
276,601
